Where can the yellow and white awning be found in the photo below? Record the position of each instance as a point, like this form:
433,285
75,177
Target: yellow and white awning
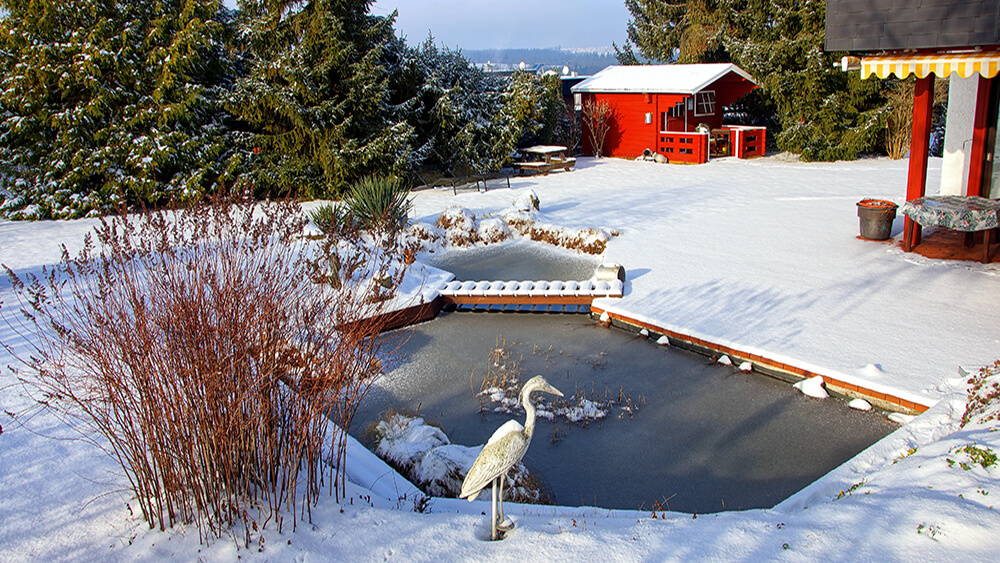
942,65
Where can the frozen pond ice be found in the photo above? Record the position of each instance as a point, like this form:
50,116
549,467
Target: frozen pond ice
708,437
522,260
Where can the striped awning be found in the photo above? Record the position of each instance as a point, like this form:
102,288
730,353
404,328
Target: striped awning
940,64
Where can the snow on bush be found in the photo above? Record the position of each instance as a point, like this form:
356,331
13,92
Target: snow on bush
492,230
583,409
197,344
459,225
424,455
519,221
363,262
983,403
587,241
424,236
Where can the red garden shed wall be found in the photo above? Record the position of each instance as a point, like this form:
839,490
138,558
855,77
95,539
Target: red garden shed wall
629,134
656,108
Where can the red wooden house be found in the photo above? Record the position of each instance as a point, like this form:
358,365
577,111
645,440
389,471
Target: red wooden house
660,108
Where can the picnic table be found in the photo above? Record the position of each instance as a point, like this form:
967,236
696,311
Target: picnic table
969,214
544,159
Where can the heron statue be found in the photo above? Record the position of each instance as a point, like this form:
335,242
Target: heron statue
504,449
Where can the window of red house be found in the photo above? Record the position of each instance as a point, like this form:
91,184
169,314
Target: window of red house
704,103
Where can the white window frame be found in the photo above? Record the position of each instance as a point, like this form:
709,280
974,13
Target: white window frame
699,101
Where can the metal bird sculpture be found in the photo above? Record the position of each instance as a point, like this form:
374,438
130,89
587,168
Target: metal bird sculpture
504,449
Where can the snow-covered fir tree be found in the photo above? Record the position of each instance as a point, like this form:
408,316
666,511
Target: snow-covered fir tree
449,103
314,96
657,29
109,102
463,117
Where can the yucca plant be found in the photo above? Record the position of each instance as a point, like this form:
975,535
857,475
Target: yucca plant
379,202
331,218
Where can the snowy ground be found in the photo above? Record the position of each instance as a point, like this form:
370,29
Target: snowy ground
758,254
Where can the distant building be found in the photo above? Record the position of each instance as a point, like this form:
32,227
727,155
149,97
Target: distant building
658,109
573,100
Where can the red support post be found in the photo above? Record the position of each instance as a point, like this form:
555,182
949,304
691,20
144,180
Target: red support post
916,183
980,126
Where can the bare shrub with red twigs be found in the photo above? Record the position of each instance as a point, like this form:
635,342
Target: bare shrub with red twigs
200,346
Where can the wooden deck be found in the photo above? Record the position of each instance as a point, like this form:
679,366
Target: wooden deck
946,244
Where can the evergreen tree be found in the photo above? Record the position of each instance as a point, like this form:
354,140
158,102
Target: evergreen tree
448,102
109,102
553,123
656,29
315,96
824,113
462,116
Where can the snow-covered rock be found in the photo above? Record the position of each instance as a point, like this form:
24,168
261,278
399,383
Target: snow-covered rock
746,367
812,387
442,469
526,201
724,360
871,370
404,440
438,467
900,418
860,404
663,340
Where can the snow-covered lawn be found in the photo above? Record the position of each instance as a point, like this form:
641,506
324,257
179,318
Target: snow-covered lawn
760,255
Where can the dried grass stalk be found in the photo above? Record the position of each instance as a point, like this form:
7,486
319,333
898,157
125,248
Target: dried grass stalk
198,345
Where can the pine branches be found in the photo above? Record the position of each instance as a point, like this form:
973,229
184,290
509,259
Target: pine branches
315,96
107,102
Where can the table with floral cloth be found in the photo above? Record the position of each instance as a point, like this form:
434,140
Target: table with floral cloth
961,213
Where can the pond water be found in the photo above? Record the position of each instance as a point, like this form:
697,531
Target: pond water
523,260
707,438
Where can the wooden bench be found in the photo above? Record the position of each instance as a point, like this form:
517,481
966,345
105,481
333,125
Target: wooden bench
544,168
459,176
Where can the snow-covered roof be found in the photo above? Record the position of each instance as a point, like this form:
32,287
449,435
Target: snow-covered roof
676,78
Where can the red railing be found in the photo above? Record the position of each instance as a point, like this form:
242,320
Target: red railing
747,142
679,146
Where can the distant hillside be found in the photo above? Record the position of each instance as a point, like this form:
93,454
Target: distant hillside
583,62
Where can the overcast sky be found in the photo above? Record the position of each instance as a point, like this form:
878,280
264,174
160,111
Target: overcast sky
484,24
489,24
